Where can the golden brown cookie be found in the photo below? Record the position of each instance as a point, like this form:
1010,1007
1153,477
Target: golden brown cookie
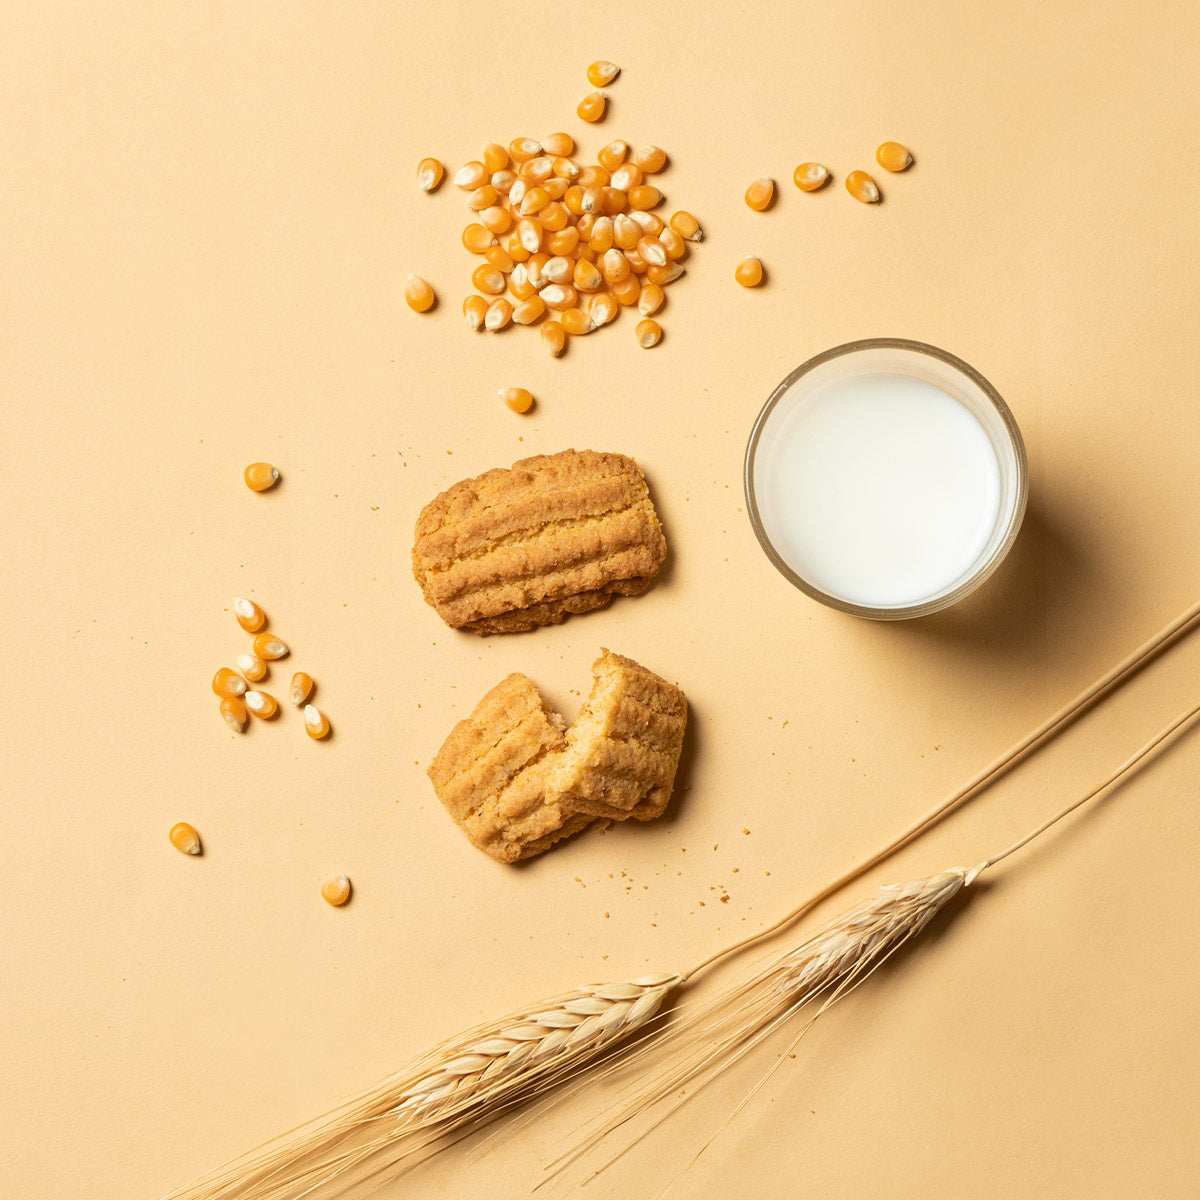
554,535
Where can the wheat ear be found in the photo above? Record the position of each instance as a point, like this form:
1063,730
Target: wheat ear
455,1088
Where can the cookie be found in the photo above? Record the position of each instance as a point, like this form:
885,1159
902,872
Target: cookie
530,545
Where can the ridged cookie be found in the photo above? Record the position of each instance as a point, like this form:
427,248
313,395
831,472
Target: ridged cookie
553,535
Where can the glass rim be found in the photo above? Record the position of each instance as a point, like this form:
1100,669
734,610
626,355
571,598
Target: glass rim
983,569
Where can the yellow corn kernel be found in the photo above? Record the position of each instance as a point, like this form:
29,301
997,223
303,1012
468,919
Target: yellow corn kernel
430,174
653,251
602,236
862,187
477,239
637,264
482,197
470,175
523,149
519,284
627,175
593,199
650,159
300,688
419,296
336,890
749,272
644,196
573,200
760,194
558,269
586,253
602,308
503,180
602,72
593,175
674,246
519,400
261,704
591,107
538,170
500,259
576,321
529,311
496,219
626,291
474,309
649,223
488,279
511,241
236,715
499,314
530,233
649,333
686,226
586,276
316,724
563,241
516,193
626,231
809,176
227,682
664,275
184,838
559,296
892,156
495,157
559,145
534,200
554,337
536,269
613,155
252,667
612,201
554,217
651,299
260,476
248,615
268,646
556,188
566,168
614,266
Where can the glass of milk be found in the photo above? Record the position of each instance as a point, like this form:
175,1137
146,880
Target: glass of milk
886,478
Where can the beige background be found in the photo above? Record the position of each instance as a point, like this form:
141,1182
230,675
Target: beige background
208,211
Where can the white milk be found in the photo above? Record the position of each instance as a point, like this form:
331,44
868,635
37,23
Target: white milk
881,489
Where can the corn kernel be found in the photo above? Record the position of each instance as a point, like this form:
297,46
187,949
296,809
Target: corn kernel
614,266
612,201
586,276
649,223
503,180
474,309
534,200
649,333
602,72
516,193
496,219
227,682
300,688
573,199
523,149
495,157
809,176
650,159
553,218
613,155
500,259
536,269
626,291
260,476
482,197
558,269
626,231
627,175
575,321
892,156
556,188
686,226
563,241
602,235
637,264
592,201
862,187
268,646
644,196
248,615
511,241
749,272
559,296
499,314
529,311
591,107
566,169
430,174
593,175
470,176
602,308
519,284
559,145
554,337
261,704
316,724
236,715
477,239
665,275
336,890
653,251
530,233
538,170
520,400
651,299
252,667
419,296
184,838
673,245
488,279
760,194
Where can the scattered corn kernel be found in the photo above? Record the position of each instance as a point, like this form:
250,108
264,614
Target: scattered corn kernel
261,704
300,688
316,724
523,149
499,314
749,272
610,157
626,291
554,338
477,239
260,476
591,107
650,159
482,197
651,299
336,890
268,646
475,309
892,156
249,616
686,226
586,276
236,715
760,194
430,174
227,682
653,251
488,279
495,157
647,222
673,245
184,838
649,333
809,176
602,308
418,294
252,667
644,196
576,321
664,275
602,72
529,311
471,175
558,269
627,175
518,399
559,145
862,187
